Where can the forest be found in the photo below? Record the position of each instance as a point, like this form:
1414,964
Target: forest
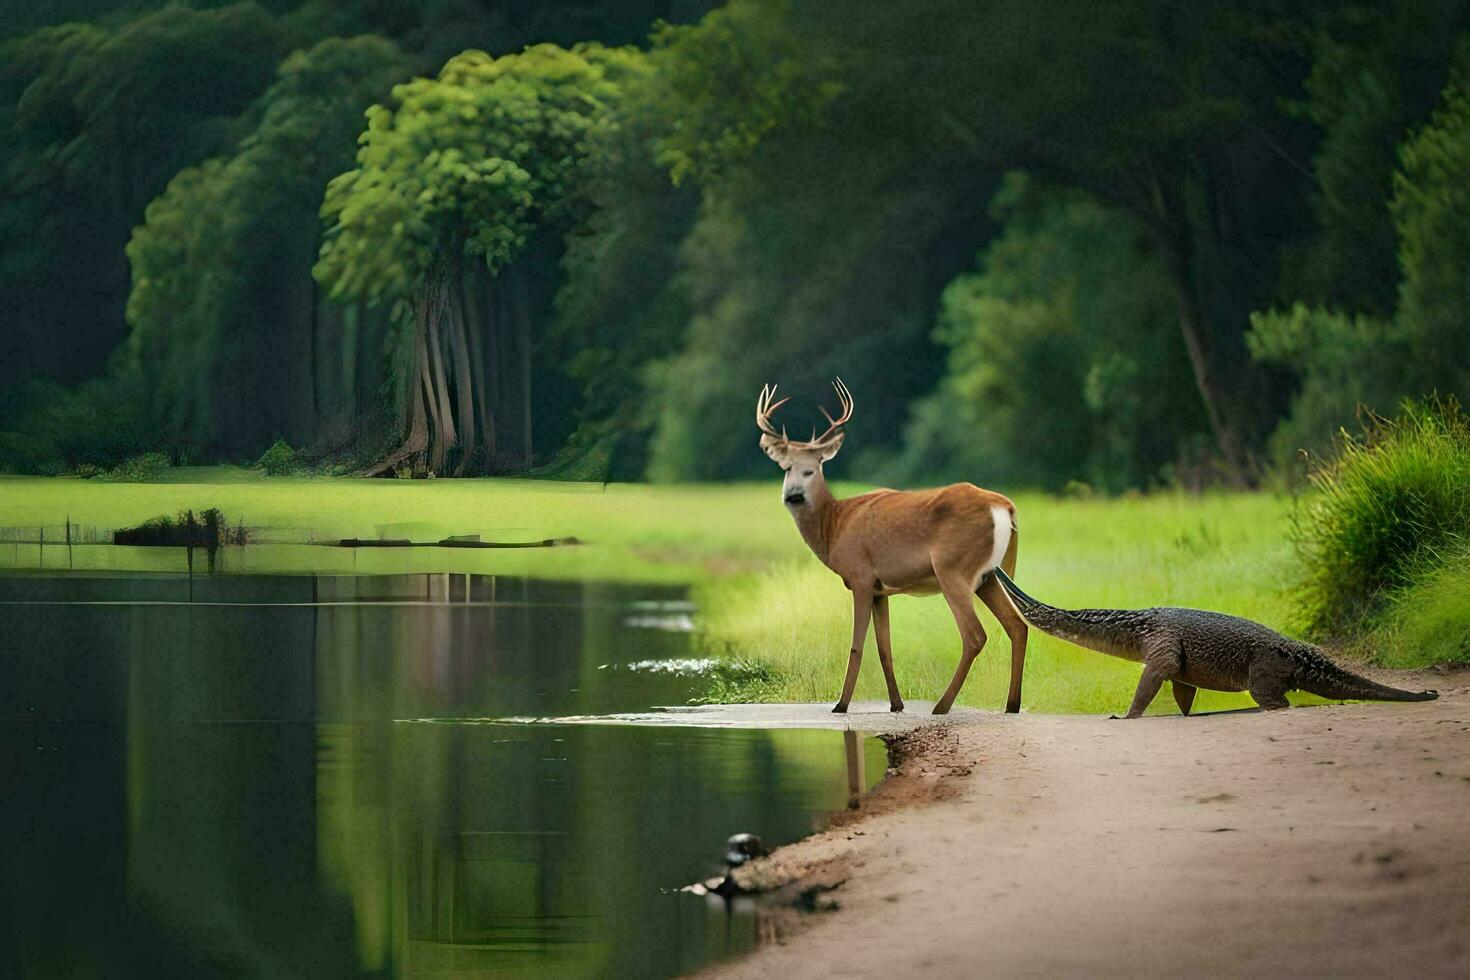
1093,246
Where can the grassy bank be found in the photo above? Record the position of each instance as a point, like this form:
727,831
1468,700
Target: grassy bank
1428,623
633,532
762,596
1217,552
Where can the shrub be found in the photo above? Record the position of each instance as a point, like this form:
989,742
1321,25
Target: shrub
1429,623
139,469
1388,508
205,529
279,460
51,429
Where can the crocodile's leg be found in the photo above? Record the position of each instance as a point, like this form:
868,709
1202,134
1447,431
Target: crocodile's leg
1161,663
1148,687
1268,687
1183,695
1269,697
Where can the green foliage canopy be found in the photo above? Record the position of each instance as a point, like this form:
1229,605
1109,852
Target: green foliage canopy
1062,363
105,114
224,304
464,165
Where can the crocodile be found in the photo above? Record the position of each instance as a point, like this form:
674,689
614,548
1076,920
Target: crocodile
1193,648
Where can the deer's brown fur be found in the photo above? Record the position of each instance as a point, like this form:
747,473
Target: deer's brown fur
892,542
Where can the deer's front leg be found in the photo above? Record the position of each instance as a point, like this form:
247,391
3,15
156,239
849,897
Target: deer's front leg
972,635
862,612
885,650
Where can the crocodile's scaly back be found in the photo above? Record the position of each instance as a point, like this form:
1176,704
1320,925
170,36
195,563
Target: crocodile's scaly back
1198,648
1119,632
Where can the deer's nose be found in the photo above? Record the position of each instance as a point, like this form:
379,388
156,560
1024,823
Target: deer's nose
796,497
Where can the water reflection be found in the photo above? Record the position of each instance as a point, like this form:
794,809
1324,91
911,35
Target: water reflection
226,787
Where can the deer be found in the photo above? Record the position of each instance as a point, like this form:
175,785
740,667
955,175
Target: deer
900,542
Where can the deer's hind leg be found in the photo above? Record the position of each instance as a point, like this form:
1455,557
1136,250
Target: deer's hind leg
956,589
885,651
994,597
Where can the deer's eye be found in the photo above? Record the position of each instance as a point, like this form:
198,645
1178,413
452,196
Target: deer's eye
808,472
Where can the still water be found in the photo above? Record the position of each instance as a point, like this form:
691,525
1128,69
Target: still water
265,776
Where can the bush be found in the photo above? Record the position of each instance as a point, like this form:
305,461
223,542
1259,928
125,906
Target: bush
279,460
205,529
139,469
50,429
1428,623
1390,507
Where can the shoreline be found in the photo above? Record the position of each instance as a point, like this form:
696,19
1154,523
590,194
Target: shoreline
1328,839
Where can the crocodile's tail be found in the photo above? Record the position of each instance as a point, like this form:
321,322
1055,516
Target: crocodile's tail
1318,675
1112,631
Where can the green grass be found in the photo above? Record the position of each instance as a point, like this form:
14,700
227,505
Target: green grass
1226,552
763,598
1386,509
634,532
1427,623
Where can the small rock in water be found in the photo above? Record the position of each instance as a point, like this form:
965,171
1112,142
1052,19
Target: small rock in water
739,849
742,847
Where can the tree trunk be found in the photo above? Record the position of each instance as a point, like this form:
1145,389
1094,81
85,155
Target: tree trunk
475,323
416,438
495,368
316,363
1198,333
444,437
463,384
347,395
523,343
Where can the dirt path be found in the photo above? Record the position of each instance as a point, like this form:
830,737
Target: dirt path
1328,840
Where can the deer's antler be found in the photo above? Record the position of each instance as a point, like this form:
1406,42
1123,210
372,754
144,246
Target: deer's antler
764,409
766,405
844,397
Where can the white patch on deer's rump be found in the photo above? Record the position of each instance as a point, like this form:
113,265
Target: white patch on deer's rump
1001,538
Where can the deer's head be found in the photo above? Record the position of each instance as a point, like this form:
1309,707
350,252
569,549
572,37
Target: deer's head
802,461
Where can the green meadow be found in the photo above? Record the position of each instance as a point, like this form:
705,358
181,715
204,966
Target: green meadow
762,596
1224,552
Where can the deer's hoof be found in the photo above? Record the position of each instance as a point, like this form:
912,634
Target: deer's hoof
941,709
896,707
840,709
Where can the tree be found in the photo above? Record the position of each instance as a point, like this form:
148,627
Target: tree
622,302
1166,111
1376,73
1431,211
104,115
457,177
1345,360
1061,363
234,342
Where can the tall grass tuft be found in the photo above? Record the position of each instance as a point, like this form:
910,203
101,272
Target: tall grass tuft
1429,623
1389,507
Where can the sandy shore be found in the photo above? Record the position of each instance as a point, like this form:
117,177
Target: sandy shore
1327,840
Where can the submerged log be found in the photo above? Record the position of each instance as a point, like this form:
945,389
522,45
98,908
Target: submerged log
455,541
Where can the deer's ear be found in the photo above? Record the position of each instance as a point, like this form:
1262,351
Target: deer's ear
775,448
830,448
